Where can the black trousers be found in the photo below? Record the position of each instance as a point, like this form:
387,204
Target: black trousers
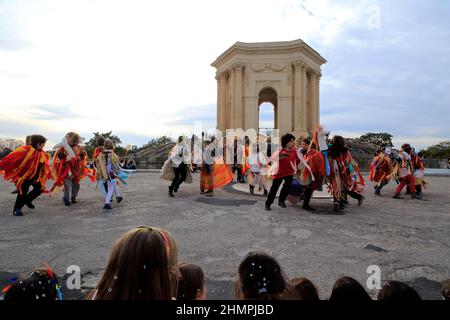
307,196
238,168
284,191
27,197
180,176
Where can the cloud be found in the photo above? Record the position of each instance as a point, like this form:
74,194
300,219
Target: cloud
143,68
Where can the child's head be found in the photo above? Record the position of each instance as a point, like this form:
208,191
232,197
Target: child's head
305,143
260,278
172,256
305,289
398,291
287,140
40,285
37,141
446,289
348,289
108,145
137,269
73,138
192,283
100,142
407,148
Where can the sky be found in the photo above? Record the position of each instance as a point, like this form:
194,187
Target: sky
142,68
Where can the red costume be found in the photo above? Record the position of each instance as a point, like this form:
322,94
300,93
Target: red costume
26,163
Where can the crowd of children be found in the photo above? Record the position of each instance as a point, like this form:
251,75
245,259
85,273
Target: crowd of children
143,265
406,167
29,166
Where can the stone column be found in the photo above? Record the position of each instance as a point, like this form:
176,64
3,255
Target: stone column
239,112
298,96
319,75
303,98
313,122
232,90
219,104
222,101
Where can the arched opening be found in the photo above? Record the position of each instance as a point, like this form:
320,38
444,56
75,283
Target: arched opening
268,103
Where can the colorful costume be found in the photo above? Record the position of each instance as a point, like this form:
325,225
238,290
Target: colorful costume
419,171
405,174
68,169
108,171
380,170
26,167
345,178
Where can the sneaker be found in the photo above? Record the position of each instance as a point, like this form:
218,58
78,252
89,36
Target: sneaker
107,206
66,202
171,195
175,189
73,200
266,193
282,204
209,193
119,199
30,205
252,189
17,212
397,196
267,207
377,192
15,191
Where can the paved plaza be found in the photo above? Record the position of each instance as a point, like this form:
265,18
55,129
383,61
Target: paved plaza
408,239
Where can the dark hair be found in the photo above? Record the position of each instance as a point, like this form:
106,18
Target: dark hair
260,278
100,141
305,289
285,139
406,147
306,140
398,291
420,154
337,146
446,289
191,282
137,269
348,289
40,285
180,139
36,139
28,140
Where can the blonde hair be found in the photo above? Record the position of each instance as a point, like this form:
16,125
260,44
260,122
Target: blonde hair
109,145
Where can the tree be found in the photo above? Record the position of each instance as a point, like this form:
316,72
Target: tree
11,144
377,138
92,143
438,151
158,142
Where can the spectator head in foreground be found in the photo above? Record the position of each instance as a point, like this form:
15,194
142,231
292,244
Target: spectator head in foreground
446,289
40,285
398,291
348,289
304,289
260,278
192,283
138,268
